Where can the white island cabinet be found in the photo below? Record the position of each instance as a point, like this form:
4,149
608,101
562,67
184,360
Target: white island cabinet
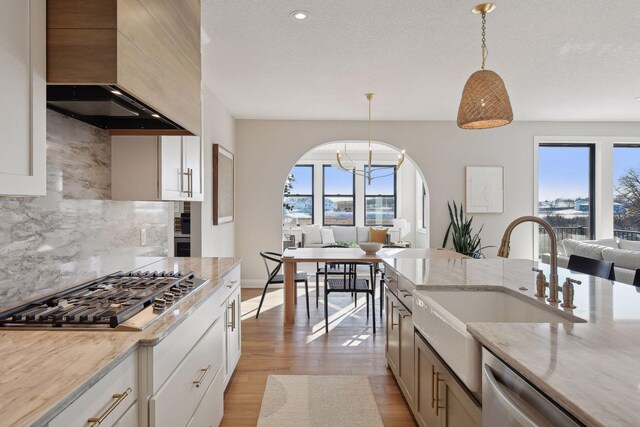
23,101
167,167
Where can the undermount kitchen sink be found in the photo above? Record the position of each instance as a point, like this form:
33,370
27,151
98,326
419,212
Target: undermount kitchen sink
441,317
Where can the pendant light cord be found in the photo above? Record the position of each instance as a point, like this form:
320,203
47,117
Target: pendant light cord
484,39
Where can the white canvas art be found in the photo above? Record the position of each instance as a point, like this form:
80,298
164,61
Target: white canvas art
485,189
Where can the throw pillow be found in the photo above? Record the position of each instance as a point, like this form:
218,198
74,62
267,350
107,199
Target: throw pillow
589,250
327,236
622,258
312,234
378,235
629,245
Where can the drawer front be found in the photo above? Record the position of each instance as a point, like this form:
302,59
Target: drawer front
211,409
130,418
106,401
166,356
391,279
175,402
405,293
230,282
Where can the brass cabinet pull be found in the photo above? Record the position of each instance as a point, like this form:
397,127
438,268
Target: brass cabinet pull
393,307
232,323
119,398
189,174
437,382
404,292
433,386
204,371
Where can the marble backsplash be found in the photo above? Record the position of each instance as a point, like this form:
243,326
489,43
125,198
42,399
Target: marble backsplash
75,233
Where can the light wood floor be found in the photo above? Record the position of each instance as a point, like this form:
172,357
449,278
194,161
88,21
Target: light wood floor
350,348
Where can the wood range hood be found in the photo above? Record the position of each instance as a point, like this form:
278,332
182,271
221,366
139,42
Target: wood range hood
129,66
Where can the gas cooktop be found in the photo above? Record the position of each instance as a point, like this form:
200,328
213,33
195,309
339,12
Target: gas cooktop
129,301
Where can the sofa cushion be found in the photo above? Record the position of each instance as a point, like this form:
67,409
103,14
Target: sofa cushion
344,234
589,250
629,245
362,234
610,243
378,235
312,234
327,236
622,258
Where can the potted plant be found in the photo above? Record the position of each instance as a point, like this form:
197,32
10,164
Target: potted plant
465,241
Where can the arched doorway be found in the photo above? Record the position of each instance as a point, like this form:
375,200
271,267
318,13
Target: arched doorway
317,192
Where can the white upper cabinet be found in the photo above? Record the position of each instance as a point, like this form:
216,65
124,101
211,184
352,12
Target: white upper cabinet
23,100
156,168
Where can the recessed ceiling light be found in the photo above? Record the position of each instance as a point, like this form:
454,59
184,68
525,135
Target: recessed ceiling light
300,15
157,116
116,92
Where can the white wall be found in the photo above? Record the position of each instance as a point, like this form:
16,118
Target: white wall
219,127
267,149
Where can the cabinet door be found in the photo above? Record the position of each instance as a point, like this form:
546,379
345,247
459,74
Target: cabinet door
458,408
172,180
407,371
424,397
23,101
233,336
392,332
192,164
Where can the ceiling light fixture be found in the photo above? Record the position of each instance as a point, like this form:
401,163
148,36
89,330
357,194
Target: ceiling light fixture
300,15
485,102
366,172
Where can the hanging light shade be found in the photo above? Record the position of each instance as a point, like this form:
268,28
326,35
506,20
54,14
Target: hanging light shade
344,161
485,102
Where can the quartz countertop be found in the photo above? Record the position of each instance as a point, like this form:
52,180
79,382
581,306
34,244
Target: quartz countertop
36,379
591,369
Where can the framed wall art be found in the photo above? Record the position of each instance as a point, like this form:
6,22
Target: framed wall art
223,185
484,189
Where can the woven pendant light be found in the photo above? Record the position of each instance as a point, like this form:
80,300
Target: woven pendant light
485,102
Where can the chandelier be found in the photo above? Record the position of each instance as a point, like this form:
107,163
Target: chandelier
485,102
348,165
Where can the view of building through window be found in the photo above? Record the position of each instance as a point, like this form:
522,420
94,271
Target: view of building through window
626,192
565,191
297,202
380,196
338,196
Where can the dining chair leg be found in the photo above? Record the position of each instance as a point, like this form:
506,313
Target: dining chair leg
367,295
264,292
326,311
317,290
373,309
381,295
306,295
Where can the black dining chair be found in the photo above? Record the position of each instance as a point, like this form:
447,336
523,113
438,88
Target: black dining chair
380,269
636,278
275,259
593,267
334,269
350,283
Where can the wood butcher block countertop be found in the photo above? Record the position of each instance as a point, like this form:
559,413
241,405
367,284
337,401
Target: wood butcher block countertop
43,371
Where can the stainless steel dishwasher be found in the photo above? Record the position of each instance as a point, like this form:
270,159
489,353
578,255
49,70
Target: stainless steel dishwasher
510,401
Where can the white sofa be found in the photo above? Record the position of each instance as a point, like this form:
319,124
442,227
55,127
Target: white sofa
341,234
625,255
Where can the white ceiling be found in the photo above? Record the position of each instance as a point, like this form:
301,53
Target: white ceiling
561,60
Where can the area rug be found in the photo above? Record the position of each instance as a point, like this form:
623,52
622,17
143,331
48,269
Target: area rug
318,401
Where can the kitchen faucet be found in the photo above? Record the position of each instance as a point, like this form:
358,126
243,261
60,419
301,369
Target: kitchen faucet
503,251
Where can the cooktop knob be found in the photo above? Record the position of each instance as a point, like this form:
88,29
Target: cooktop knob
169,296
159,304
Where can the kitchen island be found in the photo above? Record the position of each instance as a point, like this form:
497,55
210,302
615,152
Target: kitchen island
44,372
587,362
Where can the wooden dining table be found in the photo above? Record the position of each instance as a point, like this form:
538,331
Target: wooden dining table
292,256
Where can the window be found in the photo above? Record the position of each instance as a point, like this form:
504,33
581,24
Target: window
424,204
297,202
626,192
566,191
380,196
338,202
